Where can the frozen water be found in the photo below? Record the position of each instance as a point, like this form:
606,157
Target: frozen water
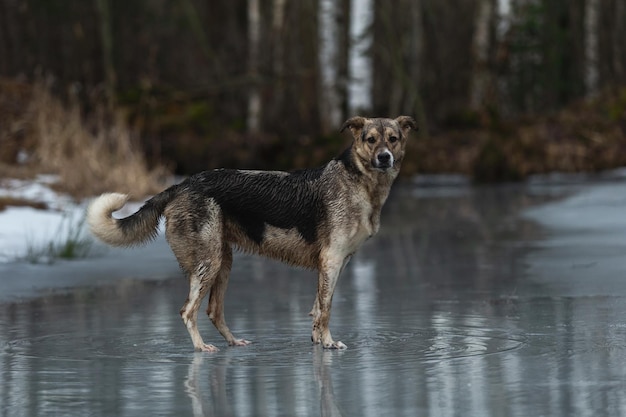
489,301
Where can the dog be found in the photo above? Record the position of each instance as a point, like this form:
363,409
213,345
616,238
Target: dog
312,218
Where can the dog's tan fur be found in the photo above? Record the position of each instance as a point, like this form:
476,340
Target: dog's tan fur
327,213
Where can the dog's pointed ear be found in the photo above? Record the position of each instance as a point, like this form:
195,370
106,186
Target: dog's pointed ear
355,124
406,124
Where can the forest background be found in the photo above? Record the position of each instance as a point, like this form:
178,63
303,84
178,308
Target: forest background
501,89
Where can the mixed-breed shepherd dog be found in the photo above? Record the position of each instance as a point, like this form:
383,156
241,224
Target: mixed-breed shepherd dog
313,218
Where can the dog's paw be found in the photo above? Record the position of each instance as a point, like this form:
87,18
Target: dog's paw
240,342
335,345
207,348
316,337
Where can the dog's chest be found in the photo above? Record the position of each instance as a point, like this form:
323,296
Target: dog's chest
360,221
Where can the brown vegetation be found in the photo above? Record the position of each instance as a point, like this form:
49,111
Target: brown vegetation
99,152
587,136
20,202
90,153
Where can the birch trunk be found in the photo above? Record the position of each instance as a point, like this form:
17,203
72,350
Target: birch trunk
328,59
359,61
254,40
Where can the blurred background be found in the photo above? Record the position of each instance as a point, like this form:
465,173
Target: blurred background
101,90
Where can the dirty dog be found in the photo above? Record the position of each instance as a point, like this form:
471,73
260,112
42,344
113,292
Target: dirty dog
314,218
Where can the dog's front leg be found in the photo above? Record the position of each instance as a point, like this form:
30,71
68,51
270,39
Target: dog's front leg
315,311
329,272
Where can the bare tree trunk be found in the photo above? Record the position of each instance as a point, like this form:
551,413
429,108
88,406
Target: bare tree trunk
276,67
292,98
591,47
278,22
334,32
110,77
552,56
416,56
619,42
360,62
390,60
398,71
607,41
254,40
503,21
5,40
343,52
481,45
328,59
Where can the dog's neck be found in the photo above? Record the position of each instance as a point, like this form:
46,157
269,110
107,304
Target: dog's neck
380,186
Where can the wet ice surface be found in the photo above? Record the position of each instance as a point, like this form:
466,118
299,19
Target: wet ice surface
503,301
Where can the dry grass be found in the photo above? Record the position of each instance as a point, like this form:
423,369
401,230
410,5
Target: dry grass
6,201
90,154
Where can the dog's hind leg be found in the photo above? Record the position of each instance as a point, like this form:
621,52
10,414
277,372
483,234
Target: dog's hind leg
200,281
329,272
198,249
216,299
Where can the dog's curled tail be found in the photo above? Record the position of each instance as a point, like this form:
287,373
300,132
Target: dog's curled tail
135,229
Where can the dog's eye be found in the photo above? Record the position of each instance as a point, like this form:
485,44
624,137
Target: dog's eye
392,139
371,139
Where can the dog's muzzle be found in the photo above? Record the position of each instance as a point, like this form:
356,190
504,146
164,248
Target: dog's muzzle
383,160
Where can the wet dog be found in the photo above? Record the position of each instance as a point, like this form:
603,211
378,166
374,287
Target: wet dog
314,218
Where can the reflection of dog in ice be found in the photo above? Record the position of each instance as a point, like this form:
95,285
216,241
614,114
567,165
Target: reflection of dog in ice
215,402
322,361
218,399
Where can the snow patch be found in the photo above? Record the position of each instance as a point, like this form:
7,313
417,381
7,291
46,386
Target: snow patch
24,228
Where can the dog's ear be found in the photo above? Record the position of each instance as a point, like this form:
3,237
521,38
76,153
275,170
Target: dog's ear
355,124
406,124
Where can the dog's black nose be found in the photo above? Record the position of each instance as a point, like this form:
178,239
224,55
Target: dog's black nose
384,158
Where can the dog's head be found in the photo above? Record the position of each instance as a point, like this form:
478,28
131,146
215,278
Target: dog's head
379,143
